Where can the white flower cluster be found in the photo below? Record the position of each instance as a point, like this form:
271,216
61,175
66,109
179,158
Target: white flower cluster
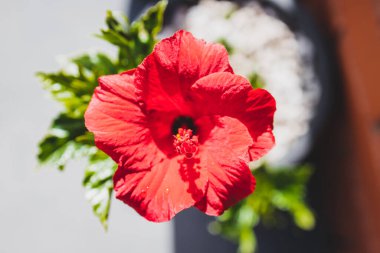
262,44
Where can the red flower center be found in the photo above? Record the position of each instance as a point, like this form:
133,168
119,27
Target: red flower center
185,142
184,122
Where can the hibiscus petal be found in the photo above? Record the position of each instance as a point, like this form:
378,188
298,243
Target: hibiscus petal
165,76
225,155
231,95
119,124
156,185
167,189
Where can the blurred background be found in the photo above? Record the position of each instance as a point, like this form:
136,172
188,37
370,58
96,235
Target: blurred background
327,50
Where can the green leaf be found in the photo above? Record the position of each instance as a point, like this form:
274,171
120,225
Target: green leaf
60,144
134,41
117,32
256,81
99,185
152,20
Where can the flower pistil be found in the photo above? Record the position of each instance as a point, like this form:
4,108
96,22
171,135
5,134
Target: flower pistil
185,142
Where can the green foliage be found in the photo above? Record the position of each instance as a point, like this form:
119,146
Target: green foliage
98,184
278,190
134,41
68,137
256,81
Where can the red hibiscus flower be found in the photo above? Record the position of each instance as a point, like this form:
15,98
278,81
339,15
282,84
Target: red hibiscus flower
182,128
